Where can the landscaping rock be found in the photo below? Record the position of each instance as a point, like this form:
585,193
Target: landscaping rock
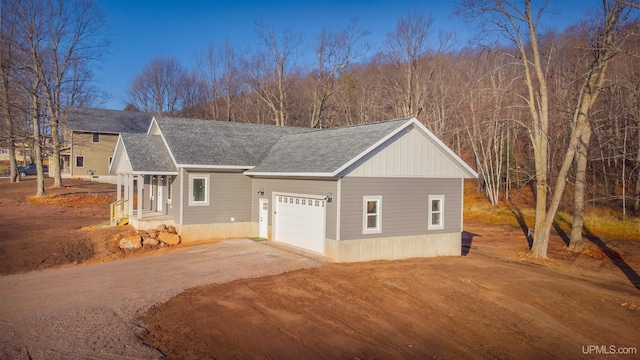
150,242
172,229
169,238
130,242
153,233
161,227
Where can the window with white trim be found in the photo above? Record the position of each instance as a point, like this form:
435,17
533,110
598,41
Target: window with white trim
372,215
198,189
96,137
436,212
169,188
79,161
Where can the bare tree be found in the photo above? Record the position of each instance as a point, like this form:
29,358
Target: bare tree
334,52
7,72
407,44
58,38
270,72
160,87
518,23
604,44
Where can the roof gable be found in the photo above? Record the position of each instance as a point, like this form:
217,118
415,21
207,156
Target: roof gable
106,121
143,154
410,153
338,151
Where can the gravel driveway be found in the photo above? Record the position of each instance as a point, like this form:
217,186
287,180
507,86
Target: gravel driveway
91,311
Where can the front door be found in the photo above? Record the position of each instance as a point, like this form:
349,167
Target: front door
264,218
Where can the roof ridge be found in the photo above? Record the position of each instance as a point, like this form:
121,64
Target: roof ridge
367,124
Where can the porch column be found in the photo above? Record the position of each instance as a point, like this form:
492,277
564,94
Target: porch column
119,192
140,194
130,182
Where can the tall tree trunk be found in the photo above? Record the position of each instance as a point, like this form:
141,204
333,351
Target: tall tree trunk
35,121
637,189
576,243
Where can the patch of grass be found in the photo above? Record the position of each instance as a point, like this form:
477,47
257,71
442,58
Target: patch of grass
257,239
71,200
601,222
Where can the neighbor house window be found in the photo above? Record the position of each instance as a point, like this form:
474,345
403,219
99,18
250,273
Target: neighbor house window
436,212
372,215
199,190
5,151
96,137
79,161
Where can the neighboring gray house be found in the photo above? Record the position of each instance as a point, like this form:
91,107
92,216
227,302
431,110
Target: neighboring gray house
90,137
385,190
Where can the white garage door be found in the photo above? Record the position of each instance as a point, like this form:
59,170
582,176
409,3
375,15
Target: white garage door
300,221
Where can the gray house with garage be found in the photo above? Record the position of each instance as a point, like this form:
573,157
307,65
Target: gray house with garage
385,190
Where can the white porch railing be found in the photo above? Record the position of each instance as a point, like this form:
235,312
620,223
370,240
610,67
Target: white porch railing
119,212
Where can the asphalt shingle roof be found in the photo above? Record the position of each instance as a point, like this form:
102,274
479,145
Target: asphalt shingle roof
323,151
147,153
107,121
220,143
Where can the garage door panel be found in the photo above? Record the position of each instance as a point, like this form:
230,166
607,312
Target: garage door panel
300,222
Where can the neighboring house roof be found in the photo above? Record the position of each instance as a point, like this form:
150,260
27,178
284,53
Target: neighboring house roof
147,153
209,143
107,121
326,151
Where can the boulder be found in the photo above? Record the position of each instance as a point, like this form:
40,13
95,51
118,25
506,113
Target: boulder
169,238
161,227
130,242
172,229
153,233
150,242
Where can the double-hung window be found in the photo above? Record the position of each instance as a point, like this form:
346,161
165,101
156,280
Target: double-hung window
79,161
372,215
198,189
436,212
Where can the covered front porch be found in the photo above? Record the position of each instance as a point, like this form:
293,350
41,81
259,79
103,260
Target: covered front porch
143,200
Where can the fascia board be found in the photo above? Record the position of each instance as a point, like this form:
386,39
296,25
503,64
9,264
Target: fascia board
115,149
164,141
472,173
289,174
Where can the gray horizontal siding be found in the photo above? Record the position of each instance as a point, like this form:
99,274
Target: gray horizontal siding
404,205
295,186
229,197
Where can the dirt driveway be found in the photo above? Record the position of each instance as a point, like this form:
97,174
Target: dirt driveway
91,311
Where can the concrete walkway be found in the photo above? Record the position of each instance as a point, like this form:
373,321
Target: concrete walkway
92,311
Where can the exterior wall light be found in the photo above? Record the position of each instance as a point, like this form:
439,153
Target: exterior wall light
329,197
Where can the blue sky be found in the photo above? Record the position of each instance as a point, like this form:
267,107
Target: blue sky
142,29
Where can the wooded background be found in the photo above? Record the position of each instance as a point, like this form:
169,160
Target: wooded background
523,104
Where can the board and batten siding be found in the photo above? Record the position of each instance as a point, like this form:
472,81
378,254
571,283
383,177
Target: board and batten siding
410,154
229,197
405,205
294,186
